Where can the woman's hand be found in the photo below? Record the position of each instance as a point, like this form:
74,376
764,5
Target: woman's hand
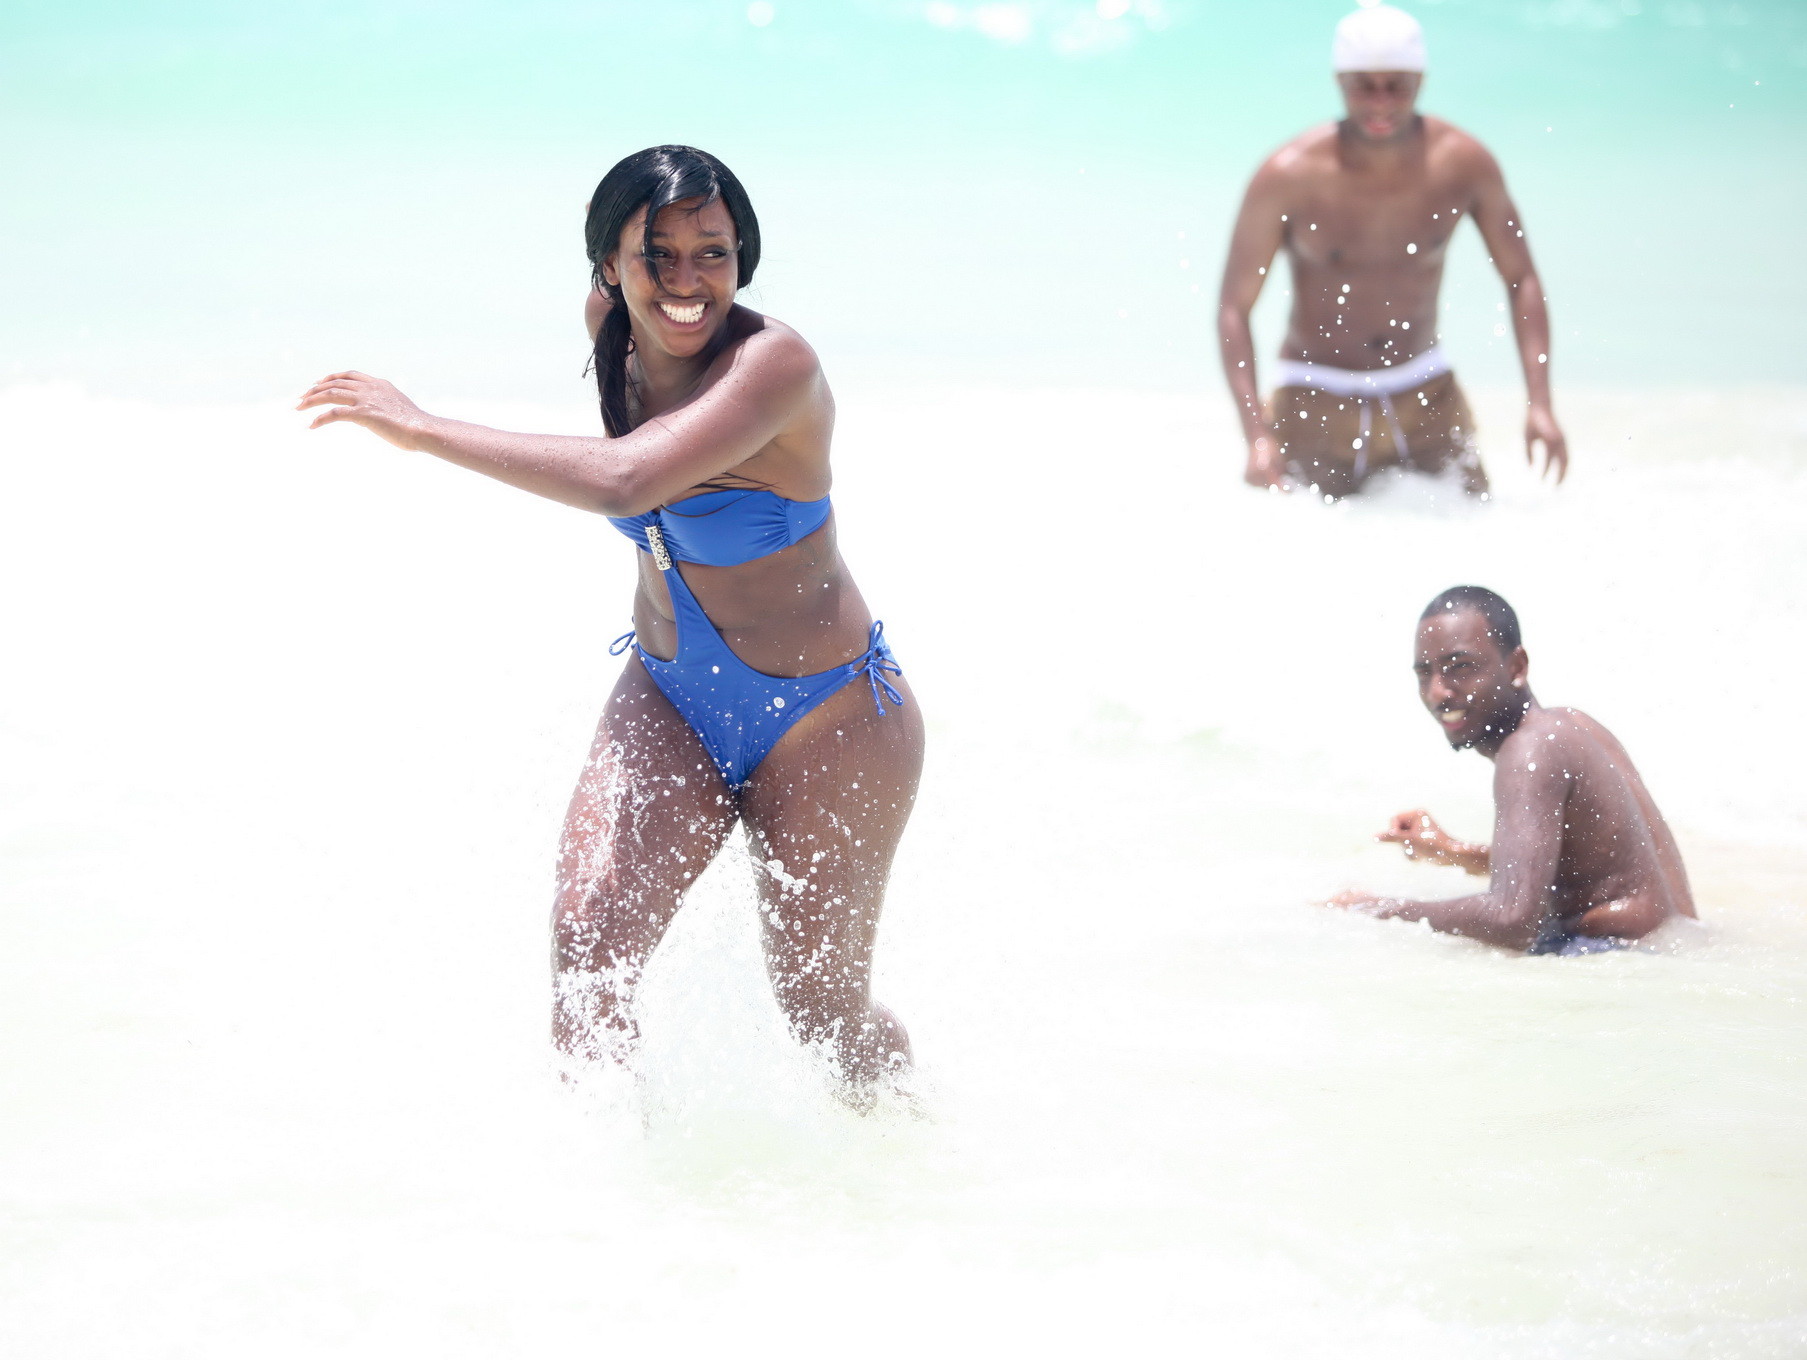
370,402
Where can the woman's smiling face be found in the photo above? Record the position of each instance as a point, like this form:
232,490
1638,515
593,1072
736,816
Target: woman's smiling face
679,291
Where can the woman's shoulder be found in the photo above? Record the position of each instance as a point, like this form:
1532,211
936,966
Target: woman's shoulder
769,337
770,348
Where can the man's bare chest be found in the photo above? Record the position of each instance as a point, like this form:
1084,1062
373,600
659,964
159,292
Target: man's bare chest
1369,222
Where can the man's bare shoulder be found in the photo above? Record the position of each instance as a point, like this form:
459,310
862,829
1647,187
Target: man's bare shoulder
1544,735
1449,145
1590,733
1311,152
1571,724
1583,748
1560,732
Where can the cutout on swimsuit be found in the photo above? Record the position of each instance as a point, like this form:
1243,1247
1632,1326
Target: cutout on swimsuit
739,713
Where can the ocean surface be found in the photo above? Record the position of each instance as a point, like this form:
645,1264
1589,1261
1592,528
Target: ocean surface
290,718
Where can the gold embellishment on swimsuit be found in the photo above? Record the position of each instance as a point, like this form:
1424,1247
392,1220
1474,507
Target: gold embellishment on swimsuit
655,543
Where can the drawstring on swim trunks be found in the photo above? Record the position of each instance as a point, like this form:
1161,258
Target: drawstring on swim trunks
1361,445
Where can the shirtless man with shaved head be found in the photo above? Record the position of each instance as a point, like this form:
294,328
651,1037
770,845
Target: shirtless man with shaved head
1581,859
1364,209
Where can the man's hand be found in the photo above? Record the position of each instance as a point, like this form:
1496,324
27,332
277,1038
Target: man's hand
1366,903
1541,428
1417,833
1265,465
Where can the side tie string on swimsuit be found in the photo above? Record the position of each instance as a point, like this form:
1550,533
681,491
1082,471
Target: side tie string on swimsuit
1386,409
878,666
622,643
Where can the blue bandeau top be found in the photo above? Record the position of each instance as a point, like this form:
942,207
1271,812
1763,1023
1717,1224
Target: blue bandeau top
726,528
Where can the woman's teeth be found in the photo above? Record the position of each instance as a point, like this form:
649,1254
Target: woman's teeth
684,316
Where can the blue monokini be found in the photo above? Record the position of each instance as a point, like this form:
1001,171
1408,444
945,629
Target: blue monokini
739,713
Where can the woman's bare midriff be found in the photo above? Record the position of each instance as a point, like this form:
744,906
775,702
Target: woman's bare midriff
793,612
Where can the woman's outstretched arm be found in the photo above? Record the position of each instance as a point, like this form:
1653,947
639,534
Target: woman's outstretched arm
753,391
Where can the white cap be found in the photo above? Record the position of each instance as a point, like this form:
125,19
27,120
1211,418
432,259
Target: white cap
1378,38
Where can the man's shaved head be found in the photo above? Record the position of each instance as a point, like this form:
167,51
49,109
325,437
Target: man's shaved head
1502,622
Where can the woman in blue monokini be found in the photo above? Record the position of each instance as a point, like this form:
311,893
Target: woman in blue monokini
758,688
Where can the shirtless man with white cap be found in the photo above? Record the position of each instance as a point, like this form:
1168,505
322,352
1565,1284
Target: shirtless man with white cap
1365,209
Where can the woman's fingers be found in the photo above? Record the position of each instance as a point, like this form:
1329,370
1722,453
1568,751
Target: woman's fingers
363,400
337,395
330,389
349,385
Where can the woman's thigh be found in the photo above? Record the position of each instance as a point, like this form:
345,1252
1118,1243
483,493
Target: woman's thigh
649,813
826,810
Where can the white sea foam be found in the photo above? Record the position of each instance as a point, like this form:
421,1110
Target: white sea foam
291,719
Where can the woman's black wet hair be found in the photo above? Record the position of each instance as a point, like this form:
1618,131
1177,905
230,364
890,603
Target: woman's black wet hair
1502,621
654,178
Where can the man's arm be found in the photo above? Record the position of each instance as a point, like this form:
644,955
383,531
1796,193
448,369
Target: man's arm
1529,795
1258,235
1504,231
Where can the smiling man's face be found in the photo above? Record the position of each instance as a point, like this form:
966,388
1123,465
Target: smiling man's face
1381,105
1475,691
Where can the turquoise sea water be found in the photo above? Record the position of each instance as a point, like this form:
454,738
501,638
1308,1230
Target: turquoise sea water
290,718
215,198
